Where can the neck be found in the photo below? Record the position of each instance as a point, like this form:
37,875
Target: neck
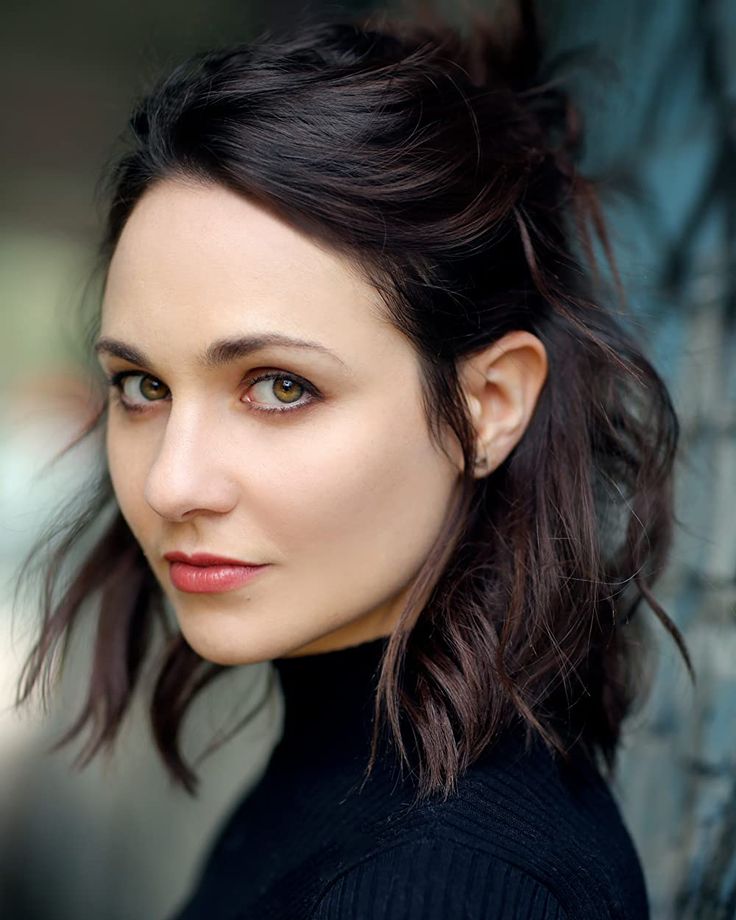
328,700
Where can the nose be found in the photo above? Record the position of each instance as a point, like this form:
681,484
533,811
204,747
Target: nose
188,474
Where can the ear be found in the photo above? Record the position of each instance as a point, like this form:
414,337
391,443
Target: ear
501,384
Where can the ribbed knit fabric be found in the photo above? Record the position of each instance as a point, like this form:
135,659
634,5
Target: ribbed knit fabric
522,839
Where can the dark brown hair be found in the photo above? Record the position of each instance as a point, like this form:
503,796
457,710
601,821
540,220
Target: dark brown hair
445,166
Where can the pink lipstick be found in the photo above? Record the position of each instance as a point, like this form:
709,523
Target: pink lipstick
203,573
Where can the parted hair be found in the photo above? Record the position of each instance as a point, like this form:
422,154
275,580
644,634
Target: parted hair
445,164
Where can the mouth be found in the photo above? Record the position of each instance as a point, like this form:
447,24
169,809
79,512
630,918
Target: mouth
203,573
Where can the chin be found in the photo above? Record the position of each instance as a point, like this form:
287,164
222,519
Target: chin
228,647
223,656
219,647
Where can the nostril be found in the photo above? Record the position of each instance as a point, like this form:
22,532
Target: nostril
179,491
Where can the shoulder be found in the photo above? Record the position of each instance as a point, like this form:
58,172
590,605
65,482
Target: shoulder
436,879
521,829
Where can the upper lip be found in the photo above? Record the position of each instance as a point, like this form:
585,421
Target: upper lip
206,559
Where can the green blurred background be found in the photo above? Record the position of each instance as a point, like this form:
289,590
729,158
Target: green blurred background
116,842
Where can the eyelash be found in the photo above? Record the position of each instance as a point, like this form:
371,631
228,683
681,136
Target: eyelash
117,380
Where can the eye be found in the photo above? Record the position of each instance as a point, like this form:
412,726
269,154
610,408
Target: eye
279,393
137,390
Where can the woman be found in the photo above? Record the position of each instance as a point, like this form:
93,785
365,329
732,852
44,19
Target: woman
371,419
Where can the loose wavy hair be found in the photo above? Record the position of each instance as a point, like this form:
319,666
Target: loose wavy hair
444,164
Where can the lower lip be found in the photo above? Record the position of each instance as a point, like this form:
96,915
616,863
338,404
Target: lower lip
211,579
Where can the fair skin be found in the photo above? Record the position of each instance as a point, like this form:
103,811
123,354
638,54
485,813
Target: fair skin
343,494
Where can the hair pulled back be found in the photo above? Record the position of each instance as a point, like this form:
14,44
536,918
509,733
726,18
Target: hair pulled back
445,167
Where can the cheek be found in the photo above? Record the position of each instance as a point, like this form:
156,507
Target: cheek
362,498
127,463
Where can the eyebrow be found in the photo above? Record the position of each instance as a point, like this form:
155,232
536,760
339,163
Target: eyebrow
219,353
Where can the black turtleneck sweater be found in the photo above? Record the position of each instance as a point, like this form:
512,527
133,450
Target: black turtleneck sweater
521,839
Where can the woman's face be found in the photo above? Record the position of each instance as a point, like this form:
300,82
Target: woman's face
323,472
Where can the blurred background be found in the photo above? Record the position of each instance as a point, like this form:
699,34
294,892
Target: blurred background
116,841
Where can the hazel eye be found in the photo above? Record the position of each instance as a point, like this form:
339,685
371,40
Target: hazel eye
136,389
278,393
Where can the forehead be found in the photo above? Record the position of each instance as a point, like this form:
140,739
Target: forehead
200,262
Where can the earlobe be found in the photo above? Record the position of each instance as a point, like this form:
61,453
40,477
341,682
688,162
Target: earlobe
502,384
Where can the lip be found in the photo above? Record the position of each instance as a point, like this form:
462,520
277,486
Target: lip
204,573
206,559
